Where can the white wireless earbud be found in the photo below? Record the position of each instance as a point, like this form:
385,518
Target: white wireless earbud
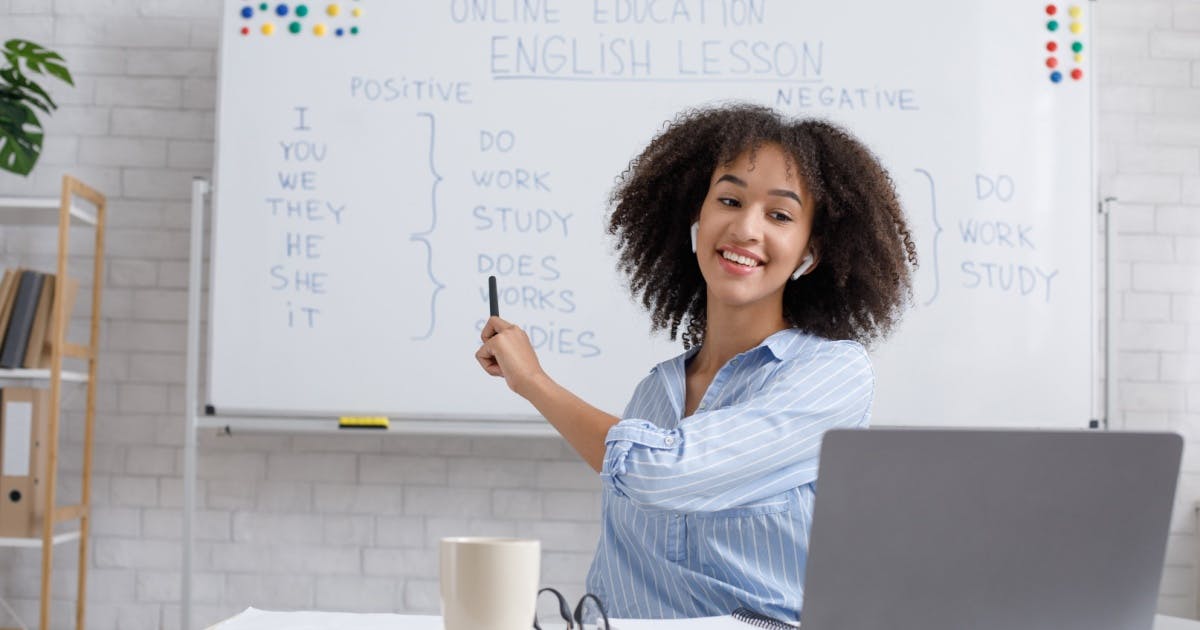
695,231
805,265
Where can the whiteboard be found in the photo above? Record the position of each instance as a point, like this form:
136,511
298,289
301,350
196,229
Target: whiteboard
367,183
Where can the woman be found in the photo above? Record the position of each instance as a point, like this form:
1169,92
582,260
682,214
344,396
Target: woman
780,248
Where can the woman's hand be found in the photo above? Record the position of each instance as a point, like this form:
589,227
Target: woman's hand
506,352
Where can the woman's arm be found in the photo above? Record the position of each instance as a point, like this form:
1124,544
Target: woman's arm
747,451
507,352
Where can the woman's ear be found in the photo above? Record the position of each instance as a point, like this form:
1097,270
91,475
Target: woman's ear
806,265
695,231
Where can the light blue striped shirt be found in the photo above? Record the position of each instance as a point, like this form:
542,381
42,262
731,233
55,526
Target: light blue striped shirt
703,514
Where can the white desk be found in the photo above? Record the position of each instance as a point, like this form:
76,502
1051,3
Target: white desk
1163,622
262,620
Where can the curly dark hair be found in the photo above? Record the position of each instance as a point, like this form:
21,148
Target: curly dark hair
863,282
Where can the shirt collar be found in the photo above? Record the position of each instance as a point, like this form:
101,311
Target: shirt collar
787,343
783,345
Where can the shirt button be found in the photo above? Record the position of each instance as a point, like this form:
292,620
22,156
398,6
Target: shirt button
669,440
702,405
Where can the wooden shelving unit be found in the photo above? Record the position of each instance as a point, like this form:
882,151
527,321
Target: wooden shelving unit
64,212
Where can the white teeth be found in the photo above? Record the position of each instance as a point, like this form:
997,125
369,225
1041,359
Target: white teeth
741,260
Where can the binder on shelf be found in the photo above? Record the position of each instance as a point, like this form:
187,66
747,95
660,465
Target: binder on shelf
41,325
16,338
22,460
8,290
70,293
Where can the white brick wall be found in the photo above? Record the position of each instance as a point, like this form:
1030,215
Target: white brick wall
1149,158
350,522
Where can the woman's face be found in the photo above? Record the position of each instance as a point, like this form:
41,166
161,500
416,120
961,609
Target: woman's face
754,228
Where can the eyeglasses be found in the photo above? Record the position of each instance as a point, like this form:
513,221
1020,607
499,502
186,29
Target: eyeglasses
565,611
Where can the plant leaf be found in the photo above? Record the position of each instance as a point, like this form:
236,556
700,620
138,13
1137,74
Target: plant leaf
37,90
15,113
38,59
24,89
11,59
21,132
20,146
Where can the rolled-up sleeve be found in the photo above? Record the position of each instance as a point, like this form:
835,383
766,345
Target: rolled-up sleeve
751,450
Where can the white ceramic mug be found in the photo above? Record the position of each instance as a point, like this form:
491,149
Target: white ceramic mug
489,583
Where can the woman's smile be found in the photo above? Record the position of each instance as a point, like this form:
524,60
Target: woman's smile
739,261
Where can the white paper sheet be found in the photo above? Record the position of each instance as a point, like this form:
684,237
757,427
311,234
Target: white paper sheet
254,619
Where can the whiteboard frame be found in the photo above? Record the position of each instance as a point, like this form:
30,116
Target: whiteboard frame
1079,415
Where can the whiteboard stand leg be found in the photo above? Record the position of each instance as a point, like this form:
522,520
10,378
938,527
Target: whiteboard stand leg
1110,314
1104,208
200,190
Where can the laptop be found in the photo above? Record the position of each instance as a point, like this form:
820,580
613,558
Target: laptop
930,529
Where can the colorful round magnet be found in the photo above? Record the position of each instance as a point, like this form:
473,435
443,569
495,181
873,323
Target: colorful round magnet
294,28
281,10
1077,74
245,30
1078,58
333,10
1051,9
1052,25
1056,76
1074,11
1076,27
319,30
339,32
1077,47
268,28
1051,46
301,10
247,12
357,12
354,30
1051,62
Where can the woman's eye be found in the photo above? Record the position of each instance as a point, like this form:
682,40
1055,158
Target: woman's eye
781,216
729,201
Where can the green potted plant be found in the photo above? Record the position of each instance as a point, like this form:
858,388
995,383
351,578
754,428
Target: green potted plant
20,130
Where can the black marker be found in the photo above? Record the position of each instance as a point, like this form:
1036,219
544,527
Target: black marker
493,299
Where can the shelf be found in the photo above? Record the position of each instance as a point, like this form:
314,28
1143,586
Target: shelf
87,208
22,376
39,211
36,543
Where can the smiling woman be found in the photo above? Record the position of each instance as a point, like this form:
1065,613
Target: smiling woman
779,247
858,229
